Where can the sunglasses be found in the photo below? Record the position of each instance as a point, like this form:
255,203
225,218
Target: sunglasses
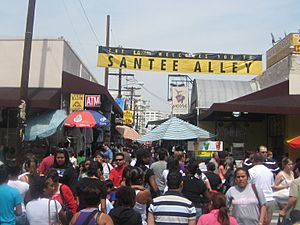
119,159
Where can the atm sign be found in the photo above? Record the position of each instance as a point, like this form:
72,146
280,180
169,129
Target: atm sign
92,101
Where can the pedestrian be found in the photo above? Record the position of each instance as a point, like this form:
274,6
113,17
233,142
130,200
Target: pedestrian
65,169
93,178
173,207
107,167
124,214
117,172
263,178
143,195
107,153
283,182
47,162
195,189
31,169
214,178
219,213
248,207
143,161
10,200
40,209
62,193
90,213
22,187
158,168
294,195
172,166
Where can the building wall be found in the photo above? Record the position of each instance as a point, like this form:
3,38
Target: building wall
294,75
46,63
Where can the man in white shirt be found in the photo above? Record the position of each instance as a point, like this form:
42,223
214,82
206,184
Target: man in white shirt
263,178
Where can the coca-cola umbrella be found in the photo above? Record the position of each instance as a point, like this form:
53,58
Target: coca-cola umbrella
294,142
86,118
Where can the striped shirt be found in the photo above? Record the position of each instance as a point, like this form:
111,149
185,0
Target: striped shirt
172,209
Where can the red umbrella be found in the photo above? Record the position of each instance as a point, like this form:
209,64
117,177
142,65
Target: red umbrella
294,142
86,118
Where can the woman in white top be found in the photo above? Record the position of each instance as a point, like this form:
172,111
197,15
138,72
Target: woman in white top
40,207
283,181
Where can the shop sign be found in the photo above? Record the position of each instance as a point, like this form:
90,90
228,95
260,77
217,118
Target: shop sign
127,117
203,154
210,146
92,101
180,97
76,102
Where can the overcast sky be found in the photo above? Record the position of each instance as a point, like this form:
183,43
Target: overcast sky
214,26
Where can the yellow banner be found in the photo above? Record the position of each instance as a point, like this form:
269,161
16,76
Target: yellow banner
76,102
296,42
127,117
162,61
203,154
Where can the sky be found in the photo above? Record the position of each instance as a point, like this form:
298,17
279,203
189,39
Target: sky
215,26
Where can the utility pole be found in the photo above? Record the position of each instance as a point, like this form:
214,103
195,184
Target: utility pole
107,45
24,101
120,84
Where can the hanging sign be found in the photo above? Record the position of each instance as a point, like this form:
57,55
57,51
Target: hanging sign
179,62
127,117
180,97
76,102
92,101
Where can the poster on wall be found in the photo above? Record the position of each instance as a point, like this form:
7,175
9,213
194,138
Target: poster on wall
210,146
180,100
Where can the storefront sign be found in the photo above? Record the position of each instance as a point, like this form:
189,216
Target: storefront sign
211,146
203,154
127,117
92,101
288,45
76,102
180,97
179,62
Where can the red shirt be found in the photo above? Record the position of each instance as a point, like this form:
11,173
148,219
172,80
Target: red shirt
46,164
116,175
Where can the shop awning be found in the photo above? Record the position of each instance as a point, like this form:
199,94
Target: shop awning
272,100
44,125
39,97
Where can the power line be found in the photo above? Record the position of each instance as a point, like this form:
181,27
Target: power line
89,22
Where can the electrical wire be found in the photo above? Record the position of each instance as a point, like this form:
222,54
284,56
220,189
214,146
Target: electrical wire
89,22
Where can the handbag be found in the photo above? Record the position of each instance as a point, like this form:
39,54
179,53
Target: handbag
58,222
65,206
282,196
266,220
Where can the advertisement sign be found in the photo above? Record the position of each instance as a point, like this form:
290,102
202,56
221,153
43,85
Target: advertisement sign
180,97
76,102
211,146
288,45
127,117
179,62
203,154
92,101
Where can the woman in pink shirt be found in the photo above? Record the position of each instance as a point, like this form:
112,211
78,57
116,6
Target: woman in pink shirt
219,213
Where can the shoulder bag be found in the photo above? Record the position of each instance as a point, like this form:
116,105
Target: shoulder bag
58,222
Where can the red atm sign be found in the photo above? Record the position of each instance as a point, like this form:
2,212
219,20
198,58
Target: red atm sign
92,101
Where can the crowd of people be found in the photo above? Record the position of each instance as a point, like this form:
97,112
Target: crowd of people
148,187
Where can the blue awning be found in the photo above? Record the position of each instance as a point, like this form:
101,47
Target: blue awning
44,125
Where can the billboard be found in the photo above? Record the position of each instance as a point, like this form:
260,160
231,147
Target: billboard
205,146
179,62
180,100
127,117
